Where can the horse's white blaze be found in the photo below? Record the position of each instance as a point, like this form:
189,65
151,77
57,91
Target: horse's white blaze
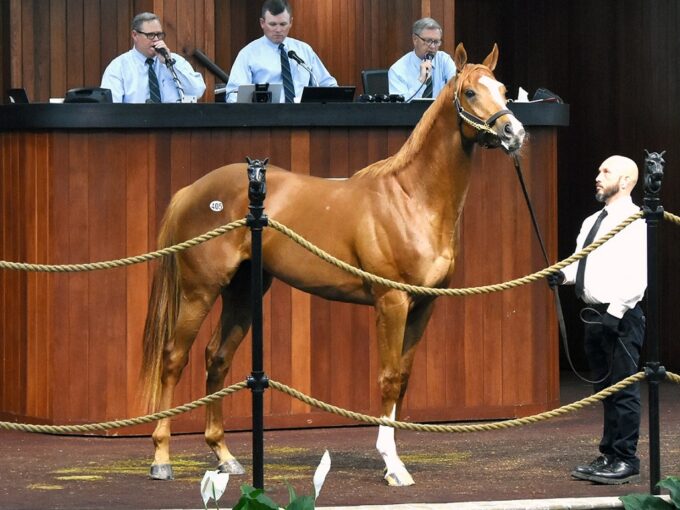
387,446
494,87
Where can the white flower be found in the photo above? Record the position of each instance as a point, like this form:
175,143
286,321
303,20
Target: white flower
213,485
321,472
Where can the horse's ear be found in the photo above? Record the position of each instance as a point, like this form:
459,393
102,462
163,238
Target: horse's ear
265,162
460,57
492,58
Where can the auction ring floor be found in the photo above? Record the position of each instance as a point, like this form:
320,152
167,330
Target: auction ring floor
530,462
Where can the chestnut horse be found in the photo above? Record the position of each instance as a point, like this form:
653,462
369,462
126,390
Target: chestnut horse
398,218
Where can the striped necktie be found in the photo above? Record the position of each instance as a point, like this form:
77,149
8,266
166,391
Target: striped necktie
428,87
581,268
286,76
154,89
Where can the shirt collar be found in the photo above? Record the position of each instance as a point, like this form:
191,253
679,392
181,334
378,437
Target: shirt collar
275,45
416,60
140,57
622,204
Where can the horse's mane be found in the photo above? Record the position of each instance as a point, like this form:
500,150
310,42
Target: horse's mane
416,141
418,137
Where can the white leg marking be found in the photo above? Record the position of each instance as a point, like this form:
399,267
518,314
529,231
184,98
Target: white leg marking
396,471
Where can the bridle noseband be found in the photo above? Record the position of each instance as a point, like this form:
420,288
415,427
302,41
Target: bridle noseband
482,126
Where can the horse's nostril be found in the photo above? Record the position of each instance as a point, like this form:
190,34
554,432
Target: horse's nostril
508,129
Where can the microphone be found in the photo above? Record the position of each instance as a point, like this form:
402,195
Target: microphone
296,57
429,56
169,61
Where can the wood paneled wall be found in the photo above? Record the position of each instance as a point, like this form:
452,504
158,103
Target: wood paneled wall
61,44
71,345
615,63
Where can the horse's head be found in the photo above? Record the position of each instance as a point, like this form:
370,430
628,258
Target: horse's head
480,102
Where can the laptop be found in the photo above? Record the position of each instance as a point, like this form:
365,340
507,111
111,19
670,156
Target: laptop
340,94
17,96
245,93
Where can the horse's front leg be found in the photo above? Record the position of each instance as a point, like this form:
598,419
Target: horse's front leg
392,308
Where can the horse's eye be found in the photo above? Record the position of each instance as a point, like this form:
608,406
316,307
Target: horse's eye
469,93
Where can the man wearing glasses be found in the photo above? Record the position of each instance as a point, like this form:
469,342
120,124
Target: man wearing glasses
423,72
141,75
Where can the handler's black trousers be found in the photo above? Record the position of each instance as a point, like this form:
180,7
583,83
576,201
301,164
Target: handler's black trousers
622,409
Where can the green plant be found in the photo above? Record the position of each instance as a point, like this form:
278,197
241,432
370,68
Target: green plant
256,499
649,502
214,483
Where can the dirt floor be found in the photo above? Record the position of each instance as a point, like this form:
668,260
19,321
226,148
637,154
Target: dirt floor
534,461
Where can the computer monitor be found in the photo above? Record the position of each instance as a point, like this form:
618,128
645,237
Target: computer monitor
17,96
340,94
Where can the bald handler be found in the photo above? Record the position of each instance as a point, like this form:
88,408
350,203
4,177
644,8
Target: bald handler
611,281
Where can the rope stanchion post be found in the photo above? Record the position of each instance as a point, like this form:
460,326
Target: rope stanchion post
257,382
654,166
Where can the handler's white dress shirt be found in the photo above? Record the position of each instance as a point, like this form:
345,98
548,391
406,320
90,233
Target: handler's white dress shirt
260,62
128,78
616,272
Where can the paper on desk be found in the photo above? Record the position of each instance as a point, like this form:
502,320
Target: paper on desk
522,96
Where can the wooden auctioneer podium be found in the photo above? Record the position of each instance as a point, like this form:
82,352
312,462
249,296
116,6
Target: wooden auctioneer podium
90,182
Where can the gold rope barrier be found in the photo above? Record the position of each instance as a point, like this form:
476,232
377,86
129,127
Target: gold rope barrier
136,259
480,427
117,424
429,291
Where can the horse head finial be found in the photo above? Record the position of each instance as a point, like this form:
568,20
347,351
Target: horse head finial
654,165
257,187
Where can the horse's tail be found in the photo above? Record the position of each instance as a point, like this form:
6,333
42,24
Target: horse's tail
162,312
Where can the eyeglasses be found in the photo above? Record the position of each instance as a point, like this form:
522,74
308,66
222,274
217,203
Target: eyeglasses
430,42
152,35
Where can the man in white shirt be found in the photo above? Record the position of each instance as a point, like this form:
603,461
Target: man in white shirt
141,75
424,71
261,61
611,281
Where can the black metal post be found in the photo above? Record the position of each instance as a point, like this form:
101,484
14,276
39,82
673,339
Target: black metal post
258,381
655,372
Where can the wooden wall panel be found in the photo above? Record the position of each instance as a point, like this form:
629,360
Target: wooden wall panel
63,44
468,366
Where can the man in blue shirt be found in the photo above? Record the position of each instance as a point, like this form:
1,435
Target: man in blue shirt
260,61
424,71
141,76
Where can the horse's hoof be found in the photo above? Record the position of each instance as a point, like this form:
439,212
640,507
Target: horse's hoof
400,479
161,472
232,467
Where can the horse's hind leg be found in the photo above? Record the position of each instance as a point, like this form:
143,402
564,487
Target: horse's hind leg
193,311
235,321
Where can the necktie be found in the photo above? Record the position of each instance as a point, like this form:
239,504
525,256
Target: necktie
286,76
154,89
581,269
428,87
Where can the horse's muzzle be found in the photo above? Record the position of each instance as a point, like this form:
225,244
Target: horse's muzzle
510,134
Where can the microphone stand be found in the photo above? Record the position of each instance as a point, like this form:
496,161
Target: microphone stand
315,82
170,62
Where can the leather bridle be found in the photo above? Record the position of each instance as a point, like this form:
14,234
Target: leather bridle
482,126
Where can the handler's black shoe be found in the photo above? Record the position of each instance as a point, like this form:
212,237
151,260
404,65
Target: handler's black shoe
616,473
584,472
